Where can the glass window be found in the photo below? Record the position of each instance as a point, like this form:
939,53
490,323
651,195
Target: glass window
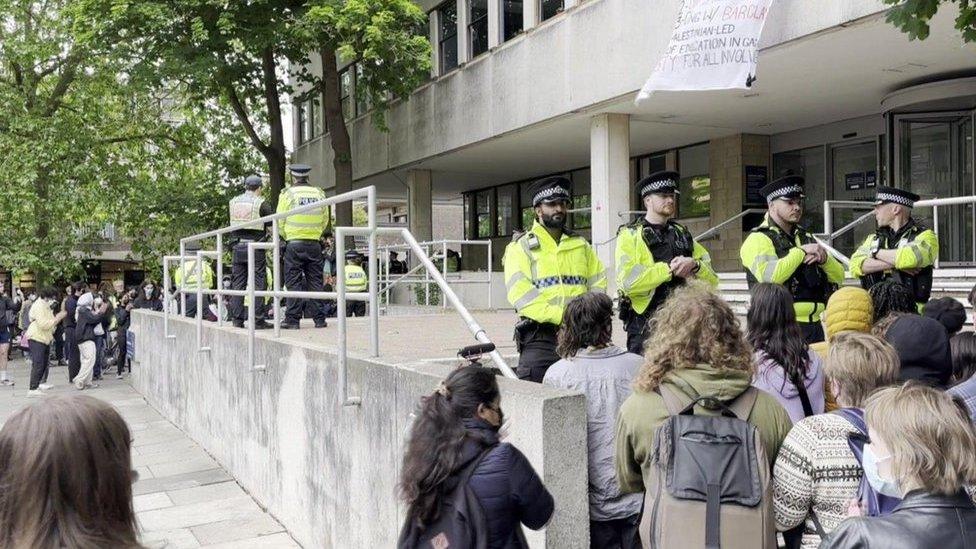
482,201
528,212
345,94
317,116
468,232
505,218
695,184
512,18
302,121
550,8
478,27
811,164
447,48
362,99
581,199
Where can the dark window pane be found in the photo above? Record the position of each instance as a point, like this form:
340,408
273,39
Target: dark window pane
695,184
302,121
505,210
345,92
483,212
449,54
550,8
448,20
479,36
512,17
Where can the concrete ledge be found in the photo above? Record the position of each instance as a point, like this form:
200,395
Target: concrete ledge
329,472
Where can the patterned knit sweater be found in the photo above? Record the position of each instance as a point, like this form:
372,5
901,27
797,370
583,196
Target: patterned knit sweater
815,470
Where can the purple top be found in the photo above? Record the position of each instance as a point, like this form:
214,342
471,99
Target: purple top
771,378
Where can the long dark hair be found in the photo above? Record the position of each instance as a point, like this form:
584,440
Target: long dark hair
963,347
437,436
66,476
774,331
587,321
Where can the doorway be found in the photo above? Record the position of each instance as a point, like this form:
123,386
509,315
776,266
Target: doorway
934,159
853,176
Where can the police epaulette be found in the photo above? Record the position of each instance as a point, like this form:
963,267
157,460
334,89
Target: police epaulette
517,235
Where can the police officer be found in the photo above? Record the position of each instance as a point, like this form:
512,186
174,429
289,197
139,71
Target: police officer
782,252
654,255
244,210
902,248
356,281
303,252
545,268
186,276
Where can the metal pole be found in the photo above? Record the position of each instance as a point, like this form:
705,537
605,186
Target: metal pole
444,266
276,276
199,293
935,228
828,221
341,318
427,279
220,279
374,316
166,299
182,276
251,308
490,306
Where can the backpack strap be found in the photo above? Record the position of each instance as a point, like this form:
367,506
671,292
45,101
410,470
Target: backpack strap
465,474
674,402
804,398
742,405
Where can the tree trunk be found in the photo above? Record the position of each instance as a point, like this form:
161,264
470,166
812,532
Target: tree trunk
339,134
275,153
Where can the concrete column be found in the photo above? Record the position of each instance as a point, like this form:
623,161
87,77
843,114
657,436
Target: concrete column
435,43
419,206
530,14
494,23
609,183
463,42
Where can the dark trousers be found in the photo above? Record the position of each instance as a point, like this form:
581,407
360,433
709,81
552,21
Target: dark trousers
99,357
615,534
537,351
38,355
355,308
71,349
637,331
303,273
238,281
120,349
191,305
59,342
812,332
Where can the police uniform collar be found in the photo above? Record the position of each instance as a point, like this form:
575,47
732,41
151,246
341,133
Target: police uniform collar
890,233
770,224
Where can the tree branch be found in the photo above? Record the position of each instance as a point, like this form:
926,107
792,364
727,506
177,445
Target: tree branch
67,77
241,112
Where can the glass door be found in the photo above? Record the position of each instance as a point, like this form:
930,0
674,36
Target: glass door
854,176
935,160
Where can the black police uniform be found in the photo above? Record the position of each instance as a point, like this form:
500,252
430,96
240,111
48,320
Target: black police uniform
239,240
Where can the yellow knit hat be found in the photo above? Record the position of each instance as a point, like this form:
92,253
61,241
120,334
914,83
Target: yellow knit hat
849,309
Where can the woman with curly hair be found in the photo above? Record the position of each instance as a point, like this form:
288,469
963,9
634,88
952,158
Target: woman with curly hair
696,349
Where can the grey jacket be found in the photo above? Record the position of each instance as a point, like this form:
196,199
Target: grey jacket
605,377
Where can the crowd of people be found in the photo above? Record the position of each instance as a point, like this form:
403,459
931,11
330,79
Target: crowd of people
863,440
83,328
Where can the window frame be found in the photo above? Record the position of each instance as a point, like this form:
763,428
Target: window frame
441,38
542,14
677,157
521,20
302,122
472,22
345,95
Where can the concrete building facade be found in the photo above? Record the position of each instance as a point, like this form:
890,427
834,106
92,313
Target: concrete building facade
527,88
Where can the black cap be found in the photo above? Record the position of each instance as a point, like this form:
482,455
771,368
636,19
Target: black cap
948,311
253,181
788,186
550,190
192,246
887,195
663,182
352,254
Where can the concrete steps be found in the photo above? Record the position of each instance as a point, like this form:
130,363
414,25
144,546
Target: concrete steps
946,282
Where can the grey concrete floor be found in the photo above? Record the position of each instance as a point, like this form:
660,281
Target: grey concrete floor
183,498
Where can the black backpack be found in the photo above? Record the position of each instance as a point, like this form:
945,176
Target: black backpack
460,522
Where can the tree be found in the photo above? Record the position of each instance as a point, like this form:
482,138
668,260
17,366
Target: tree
913,16
388,41
227,53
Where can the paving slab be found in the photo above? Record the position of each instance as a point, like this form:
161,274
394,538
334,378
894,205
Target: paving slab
183,499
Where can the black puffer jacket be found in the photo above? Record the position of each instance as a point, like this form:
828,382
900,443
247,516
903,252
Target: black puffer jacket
507,486
921,521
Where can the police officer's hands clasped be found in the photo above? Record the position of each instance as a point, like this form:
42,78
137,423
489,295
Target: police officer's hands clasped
815,254
683,267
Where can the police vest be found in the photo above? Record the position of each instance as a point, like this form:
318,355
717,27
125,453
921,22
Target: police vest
809,283
244,209
187,274
356,279
674,241
306,225
887,239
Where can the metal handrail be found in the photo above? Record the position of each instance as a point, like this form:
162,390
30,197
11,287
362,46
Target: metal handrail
340,295
715,230
426,245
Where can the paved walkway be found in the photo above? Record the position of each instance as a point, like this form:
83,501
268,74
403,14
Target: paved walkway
183,498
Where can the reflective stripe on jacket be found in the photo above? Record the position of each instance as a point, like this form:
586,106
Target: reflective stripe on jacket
356,279
245,208
187,274
307,225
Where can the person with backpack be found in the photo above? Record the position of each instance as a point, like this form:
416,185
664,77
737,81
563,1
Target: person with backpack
603,372
818,477
921,450
785,366
695,436
462,486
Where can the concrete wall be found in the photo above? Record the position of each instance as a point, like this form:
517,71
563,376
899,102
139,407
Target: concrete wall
329,472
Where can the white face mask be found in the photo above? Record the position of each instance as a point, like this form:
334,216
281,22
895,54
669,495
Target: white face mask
872,471
149,291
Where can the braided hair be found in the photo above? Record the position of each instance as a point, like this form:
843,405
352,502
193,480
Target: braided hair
890,296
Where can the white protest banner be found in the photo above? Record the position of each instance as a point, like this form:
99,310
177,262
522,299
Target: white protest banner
714,46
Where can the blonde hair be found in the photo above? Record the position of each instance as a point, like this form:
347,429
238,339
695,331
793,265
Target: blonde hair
861,363
694,326
930,435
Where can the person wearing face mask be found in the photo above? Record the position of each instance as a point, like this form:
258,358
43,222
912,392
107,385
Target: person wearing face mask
69,305
149,297
40,333
455,436
782,252
921,450
546,267
902,249
654,255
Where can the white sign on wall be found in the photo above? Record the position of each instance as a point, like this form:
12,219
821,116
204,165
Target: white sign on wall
714,46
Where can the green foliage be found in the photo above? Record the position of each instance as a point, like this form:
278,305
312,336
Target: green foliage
387,38
913,17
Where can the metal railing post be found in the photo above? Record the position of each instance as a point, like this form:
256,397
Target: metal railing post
199,293
490,276
935,227
374,316
166,300
276,277
444,267
219,283
343,360
182,273
828,221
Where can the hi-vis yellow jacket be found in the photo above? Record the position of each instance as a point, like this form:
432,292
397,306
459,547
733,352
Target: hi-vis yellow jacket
187,274
639,275
356,279
304,226
916,250
542,275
